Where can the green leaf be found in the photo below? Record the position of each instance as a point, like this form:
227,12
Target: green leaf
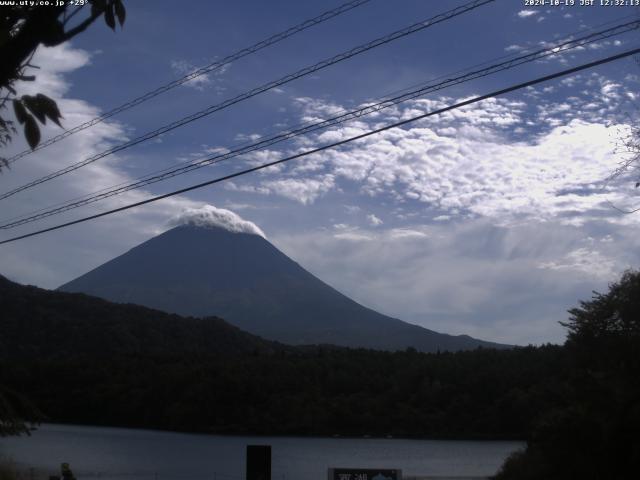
121,13
109,17
50,108
32,132
21,112
34,107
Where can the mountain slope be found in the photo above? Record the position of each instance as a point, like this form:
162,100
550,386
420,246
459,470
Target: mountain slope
41,324
201,271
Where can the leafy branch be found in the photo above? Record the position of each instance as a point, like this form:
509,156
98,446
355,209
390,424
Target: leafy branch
22,30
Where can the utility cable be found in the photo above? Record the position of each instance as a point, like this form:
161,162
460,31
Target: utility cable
473,100
416,27
309,128
345,7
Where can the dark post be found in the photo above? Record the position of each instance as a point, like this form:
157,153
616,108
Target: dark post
258,462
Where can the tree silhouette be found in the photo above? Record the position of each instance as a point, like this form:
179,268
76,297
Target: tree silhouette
23,28
596,433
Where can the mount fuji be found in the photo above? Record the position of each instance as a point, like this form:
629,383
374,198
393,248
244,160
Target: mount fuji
227,268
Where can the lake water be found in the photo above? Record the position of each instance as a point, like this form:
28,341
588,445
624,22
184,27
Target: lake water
126,454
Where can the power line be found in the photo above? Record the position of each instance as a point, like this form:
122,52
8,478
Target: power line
345,7
312,127
343,110
344,117
525,50
336,144
416,27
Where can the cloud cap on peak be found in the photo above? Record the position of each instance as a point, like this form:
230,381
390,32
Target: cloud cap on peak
210,216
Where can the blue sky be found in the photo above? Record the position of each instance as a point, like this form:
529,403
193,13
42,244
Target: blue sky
492,220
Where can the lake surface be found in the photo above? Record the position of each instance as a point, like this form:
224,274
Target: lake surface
126,454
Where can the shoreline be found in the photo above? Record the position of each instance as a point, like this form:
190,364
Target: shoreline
289,435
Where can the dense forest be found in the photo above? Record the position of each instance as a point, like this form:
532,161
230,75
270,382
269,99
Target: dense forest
84,360
484,394
595,434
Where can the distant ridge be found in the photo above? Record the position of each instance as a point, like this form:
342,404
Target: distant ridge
47,325
241,277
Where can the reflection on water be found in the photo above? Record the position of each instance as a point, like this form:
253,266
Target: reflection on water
125,454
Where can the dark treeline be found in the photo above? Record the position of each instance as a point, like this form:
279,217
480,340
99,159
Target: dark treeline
83,360
595,434
478,394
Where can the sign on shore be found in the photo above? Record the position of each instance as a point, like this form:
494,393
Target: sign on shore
364,474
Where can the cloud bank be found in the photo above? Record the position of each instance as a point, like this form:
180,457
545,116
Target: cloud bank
485,160
210,216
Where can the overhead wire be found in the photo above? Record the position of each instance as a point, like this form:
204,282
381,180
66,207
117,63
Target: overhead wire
278,37
522,50
313,127
414,28
458,105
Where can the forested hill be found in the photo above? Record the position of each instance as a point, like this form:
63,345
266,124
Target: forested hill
45,324
85,360
81,360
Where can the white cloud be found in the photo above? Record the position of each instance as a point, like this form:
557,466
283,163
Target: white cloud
373,220
464,163
609,90
353,236
352,209
396,233
503,255
514,48
527,13
210,216
585,260
469,277
200,82
303,190
52,64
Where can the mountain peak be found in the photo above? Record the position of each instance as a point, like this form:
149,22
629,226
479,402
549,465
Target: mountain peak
244,279
209,216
